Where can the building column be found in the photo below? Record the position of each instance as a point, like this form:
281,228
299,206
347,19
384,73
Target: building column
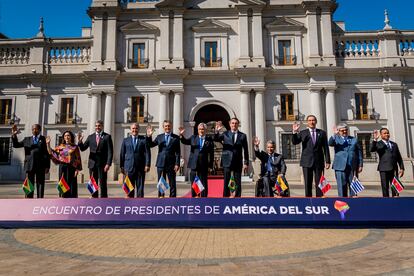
257,34
33,114
331,111
313,39
94,114
165,36
326,33
111,43
260,117
163,108
109,119
315,102
243,35
245,115
97,41
178,111
178,40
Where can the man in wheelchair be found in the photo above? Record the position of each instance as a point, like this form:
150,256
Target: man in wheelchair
272,165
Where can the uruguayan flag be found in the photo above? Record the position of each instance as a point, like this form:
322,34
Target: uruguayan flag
162,185
356,186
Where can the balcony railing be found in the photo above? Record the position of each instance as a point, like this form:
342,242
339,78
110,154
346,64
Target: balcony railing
65,51
357,45
134,117
211,62
144,64
285,61
14,54
6,119
67,118
406,45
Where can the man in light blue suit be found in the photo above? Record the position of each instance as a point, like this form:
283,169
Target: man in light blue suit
348,158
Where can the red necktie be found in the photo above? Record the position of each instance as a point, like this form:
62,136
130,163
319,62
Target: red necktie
98,138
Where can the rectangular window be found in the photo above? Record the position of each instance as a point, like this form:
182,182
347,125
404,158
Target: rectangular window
66,115
289,150
286,56
286,107
137,110
138,60
5,151
361,106
210,55
5,111
364,140
59,139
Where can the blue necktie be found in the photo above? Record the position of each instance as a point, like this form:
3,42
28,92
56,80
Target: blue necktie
135,142
269,163
35,140
167,139
201,142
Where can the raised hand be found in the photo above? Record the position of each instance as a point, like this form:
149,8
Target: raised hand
256,141
335,130
15,130
295,127
181,130
150,131
79,136
376,134
48,140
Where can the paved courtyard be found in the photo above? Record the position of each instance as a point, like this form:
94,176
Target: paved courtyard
261,251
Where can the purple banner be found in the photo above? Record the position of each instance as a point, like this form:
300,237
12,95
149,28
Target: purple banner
189,212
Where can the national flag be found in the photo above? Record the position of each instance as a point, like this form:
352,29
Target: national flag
397,185
342,208
277,187
356,186
282,182
127,185
162,185
324,185
27,186
92,186
232,184
62,186
197,185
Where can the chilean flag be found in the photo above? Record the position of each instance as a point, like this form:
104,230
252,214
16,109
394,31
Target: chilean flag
197,185
324,185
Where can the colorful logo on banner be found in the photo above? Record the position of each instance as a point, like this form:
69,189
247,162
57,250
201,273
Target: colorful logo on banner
342,208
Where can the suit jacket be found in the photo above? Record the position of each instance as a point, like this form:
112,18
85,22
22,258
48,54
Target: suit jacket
200,159
313,155
101,154
168,155
389,160
232,155
347,153
36,156
134,160
278,163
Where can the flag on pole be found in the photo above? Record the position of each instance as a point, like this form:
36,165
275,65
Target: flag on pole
92,186
127,185
356,186
232,184
162,185
282,182
62,186
324,185
197,186
397,185
277,187
28,186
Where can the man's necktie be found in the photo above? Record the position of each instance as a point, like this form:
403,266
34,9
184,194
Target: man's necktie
389,145
234,137
269,163
98,138
135,142
201,142
313,136
35,140
167,139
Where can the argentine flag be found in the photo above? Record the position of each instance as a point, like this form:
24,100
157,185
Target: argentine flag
162,185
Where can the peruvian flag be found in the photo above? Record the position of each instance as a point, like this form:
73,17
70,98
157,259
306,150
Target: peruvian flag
197,185
324,185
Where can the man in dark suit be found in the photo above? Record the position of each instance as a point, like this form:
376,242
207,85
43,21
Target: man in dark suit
315,153
272,164
389,160
100,155
234,147
201,156
36,160
135,159
168,159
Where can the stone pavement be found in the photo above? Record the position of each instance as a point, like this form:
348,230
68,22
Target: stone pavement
182,251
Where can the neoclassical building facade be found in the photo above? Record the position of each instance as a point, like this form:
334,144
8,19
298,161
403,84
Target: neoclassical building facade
269,63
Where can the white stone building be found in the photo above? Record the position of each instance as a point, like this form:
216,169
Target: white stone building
269,63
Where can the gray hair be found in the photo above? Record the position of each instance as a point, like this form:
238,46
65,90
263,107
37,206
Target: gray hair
99,122
203,125
135,124
271,142
341,126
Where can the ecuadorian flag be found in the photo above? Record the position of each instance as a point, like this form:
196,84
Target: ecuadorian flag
127,185
62,186
27,186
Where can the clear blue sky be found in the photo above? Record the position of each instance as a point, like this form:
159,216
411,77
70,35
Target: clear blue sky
64,18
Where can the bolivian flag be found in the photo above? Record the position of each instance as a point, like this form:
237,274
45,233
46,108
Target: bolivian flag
62,186
27,186
127,185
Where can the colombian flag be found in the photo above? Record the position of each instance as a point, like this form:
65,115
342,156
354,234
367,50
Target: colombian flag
127,185
27,186
282,183
62,186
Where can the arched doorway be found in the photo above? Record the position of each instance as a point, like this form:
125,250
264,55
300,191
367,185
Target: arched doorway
210,114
